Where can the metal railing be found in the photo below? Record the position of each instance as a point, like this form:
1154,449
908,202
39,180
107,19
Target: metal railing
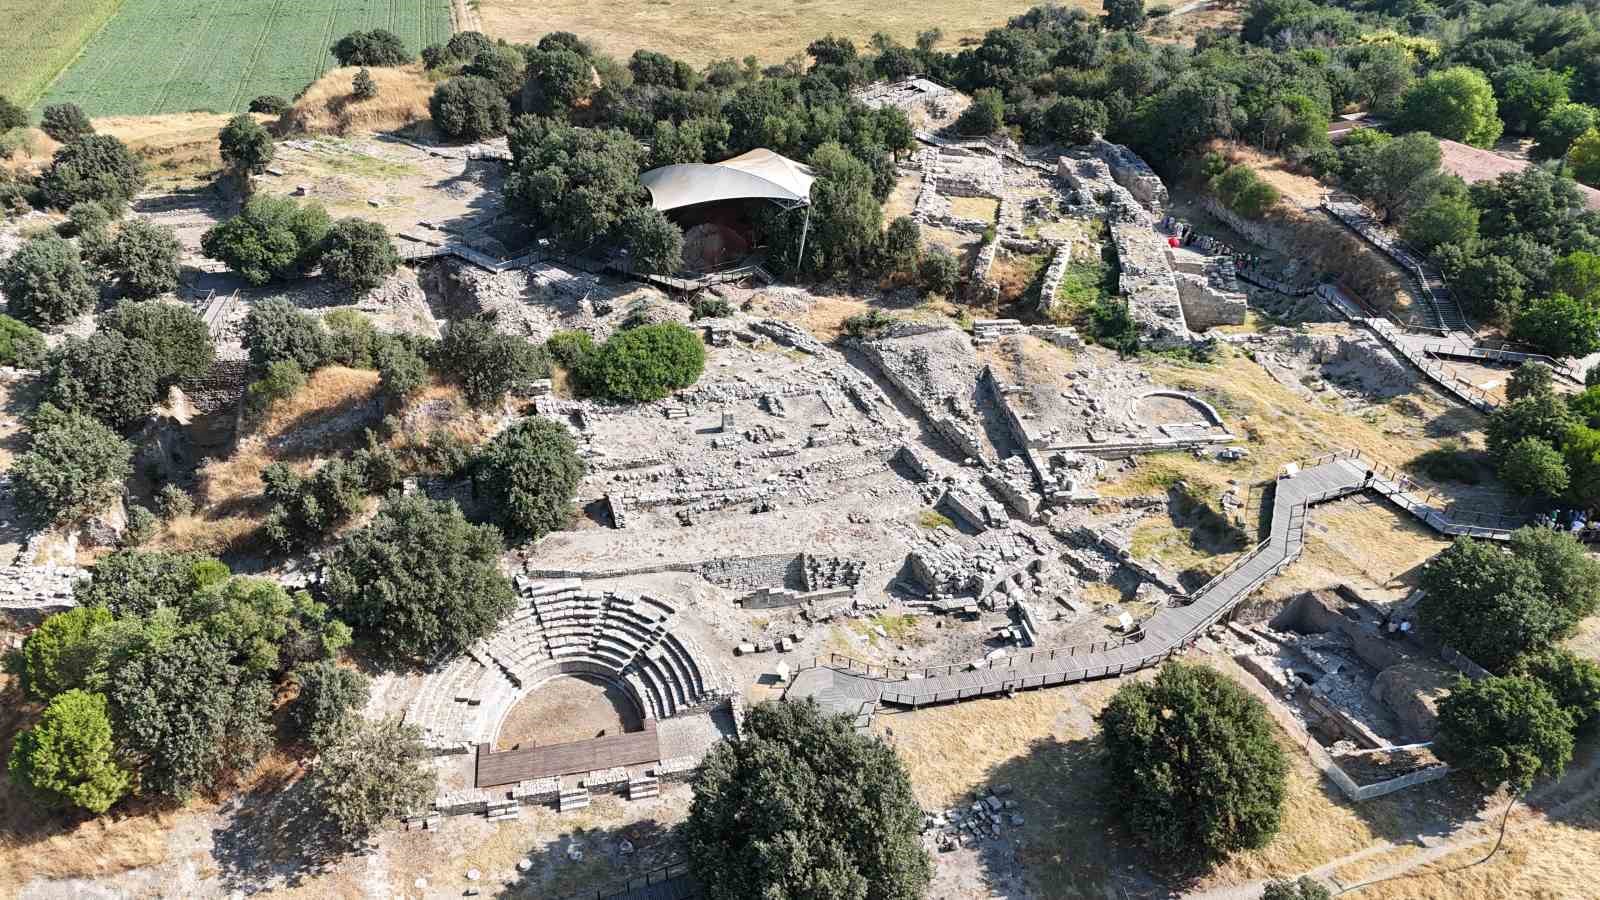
658,875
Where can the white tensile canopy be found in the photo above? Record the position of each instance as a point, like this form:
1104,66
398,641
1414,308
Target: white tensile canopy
758,174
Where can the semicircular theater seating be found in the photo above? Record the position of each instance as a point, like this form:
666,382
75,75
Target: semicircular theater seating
559,628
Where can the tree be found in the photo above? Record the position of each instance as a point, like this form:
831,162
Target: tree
939,272
1571,679
276,330
373,773
97,167
113,378
986,115
1491,285
1198,771
45,283
74,466
805,806
272,237
653,242
306,508
1123,15
186,713
1565,123
1493,604
1504,731
1078,120
246,147
642,364
579,181
65,652
530,471
902,246
91,224
269,105
1584,157
1559,325
569,348
1533,467
1399,174
1456,103
65,122
1531,379
144,259
487,363
363,87
402,372
68,757
282,379
558,79
176,334
1243,191
20,345
1578,275
1306,888
1448,218
504,66
419,580
11,115
468,108
329,695
465,45
1528,94
846,218
378,47
359,254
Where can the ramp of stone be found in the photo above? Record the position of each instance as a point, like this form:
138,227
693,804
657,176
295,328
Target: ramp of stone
575,757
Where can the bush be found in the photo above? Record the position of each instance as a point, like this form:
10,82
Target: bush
465,45
1196,767
902,246
178,339
45,283
65,122
652,242
1124,14
1111,325
375,772
939,272
1571,679
11,115
644,364
173,502
20,345
1533,467
1504,731
402,372
378,47
1306,888
276,330
137,583
269,105
986,115
144,259
141,526
91,224
245,145
362,86
467,108
855,831
503,66
703,307
360,254
487,363
1075,120
306,508
74,467
329,695
271,237
530,471
68,757
96,168
570,348
113,378
1243,191
67,651
282,380
415,606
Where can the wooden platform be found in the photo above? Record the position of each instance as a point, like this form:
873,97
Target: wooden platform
633,748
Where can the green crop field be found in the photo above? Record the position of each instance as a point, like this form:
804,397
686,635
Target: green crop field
164,56
40,37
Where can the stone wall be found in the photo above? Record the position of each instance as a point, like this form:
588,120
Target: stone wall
1207,301
1133,173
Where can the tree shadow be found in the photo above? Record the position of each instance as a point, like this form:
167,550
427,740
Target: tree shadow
275,835
1453,422
596,861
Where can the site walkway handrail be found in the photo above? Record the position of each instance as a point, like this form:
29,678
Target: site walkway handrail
659,875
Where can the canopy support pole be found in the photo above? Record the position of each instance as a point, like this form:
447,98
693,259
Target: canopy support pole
801,260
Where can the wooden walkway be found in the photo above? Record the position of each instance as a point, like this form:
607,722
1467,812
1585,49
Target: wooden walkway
633,748
849,686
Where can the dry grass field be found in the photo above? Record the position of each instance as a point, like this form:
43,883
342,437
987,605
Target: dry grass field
772,30
329,105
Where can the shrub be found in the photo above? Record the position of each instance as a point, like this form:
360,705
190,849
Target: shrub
11,115
173,502
1533,467
653,243
282,380
360,254
329,694
373,773
20,345
114,378
855,831
501,65
467,108
45,282
570,348
645,363
1196,767
530,471
176,335
1571,679
868,324
245,145
144,259
902,246
271,237
98,168
306,508
487,363
986,115
1306,888
276,330
65,122
67,651
74,467
1243,191
1111,325
362,86
68,757
1124,14
703,307
1504,731
91,224
378,47
465,45
269,104
402,372
414,606
141,526
939,272
1529,379
137,583
1076,120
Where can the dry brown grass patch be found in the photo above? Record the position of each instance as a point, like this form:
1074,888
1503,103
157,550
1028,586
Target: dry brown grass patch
329,105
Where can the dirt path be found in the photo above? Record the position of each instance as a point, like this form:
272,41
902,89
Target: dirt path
464,17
